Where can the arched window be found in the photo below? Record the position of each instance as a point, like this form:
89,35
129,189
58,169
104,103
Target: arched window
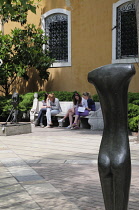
124,33
56,24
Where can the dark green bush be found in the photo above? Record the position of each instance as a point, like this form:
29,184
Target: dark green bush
41,95
136,102
133,123
133,111
95,97
61,95
5,107
133,117
26,101
132,97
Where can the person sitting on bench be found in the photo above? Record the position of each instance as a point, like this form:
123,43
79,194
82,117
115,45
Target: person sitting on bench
87,105
76,98
39,120
52,109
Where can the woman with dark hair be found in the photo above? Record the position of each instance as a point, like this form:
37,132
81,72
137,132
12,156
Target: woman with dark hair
39,120
76,98
87,104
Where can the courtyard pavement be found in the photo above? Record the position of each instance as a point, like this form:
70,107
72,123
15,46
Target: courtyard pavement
56,169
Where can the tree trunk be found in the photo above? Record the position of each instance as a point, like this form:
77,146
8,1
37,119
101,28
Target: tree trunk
1,26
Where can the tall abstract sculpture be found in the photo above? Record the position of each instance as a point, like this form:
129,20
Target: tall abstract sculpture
114,161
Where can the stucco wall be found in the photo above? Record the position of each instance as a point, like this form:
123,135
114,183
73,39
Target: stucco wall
91,41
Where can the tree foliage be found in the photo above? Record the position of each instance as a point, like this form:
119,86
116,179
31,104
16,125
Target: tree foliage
20,51
16,10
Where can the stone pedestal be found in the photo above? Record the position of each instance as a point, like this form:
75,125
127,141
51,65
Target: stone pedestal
15,129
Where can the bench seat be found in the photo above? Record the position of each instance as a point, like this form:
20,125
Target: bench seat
94,120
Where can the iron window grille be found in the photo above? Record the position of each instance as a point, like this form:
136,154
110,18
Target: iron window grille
126,33
56,28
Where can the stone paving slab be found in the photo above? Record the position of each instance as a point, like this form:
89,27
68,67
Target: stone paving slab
50,201
56,169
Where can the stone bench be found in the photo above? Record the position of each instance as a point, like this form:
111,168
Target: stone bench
94,120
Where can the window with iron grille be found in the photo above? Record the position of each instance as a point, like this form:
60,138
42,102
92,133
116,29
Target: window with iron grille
57,31
125,42
127,45
56,27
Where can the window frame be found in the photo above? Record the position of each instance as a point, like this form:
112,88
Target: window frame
114,59
65,12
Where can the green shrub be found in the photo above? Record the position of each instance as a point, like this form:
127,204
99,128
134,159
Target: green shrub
95,98
61,95
133,111
5,107
136,102
133,97
26,102
133,123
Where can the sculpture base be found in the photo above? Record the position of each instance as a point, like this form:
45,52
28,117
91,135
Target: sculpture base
15,129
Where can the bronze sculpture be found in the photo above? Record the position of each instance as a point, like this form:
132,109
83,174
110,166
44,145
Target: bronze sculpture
114,162
13,116
15,102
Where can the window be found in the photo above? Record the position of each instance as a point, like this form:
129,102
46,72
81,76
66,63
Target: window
56,25
124,33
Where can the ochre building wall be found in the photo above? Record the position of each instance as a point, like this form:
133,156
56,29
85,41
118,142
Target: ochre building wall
91,46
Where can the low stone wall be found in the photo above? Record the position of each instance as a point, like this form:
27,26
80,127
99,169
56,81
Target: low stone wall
15,129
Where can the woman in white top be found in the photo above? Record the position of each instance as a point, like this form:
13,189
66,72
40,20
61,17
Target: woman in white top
53,108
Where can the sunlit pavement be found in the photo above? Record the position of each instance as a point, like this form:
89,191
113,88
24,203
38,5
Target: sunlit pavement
56,168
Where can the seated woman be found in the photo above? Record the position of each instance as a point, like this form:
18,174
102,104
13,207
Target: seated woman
90,102
39,120
87,104
53,108
76,98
